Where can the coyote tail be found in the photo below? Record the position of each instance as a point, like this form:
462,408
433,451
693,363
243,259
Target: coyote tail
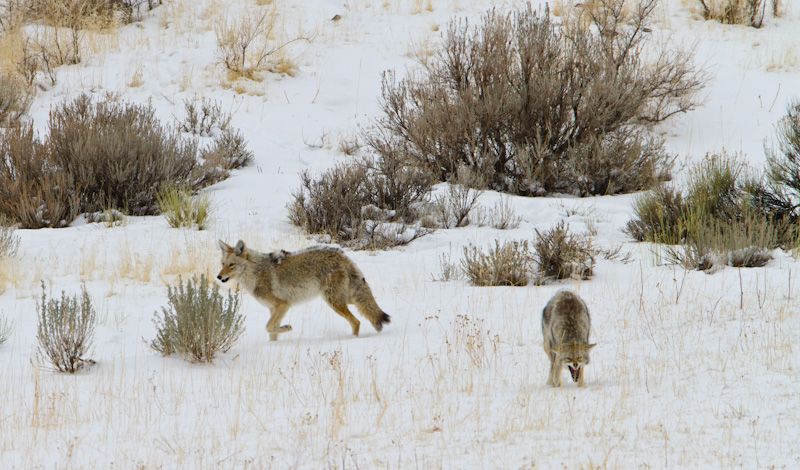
363,299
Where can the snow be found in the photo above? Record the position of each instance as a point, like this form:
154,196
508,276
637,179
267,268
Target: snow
691,370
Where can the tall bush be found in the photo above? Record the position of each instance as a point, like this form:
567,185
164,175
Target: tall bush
95,156
537,108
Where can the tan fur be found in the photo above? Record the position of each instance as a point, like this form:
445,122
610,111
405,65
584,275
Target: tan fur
565,331
281,279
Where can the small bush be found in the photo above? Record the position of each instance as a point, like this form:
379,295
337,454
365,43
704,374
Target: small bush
538,108
562,255
454,207
228,151
362,204
199,323
204,121
247,45
743,242
66,330
95,157
503,216
9,242
15,100
744,12
448,270
6,328
504,265
181,209
659,216
721,219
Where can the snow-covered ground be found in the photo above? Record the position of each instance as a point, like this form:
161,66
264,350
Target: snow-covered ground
691,370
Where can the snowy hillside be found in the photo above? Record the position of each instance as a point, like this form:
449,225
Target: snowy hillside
691,370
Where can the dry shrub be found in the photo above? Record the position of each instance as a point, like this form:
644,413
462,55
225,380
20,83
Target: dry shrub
365,204
228,151
205,120
503,216
561,254
455,206
199,323
506,264
95,157
247,45
52,31
66,330
744,12
537,108
9,242
15,100
6,328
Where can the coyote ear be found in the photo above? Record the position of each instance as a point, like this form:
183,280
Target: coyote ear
224,246
239,248
590,346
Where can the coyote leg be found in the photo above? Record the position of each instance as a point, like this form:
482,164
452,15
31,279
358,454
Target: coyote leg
555,373
581,383
345,313
274,324
336,295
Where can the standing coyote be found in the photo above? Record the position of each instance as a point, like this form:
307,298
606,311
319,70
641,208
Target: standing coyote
565,328
281,279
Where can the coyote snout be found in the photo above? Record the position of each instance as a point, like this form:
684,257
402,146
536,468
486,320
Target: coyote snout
281,279
565,330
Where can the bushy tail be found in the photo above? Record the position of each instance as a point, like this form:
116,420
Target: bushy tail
362,297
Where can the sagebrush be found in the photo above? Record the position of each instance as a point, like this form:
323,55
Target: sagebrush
720,219
506,264
363,204
561,254
95,157
199,322
9,241
66,330
527,104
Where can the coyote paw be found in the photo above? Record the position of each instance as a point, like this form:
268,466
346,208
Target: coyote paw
285,328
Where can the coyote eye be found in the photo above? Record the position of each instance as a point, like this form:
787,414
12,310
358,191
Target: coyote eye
230,265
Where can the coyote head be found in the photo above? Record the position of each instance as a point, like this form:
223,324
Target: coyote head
574,356
232,261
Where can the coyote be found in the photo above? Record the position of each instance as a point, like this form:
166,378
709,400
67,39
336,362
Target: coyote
565,328
281,279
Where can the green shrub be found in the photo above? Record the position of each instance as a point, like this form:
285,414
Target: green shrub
721,220
181,209
199,322
66,330
537,108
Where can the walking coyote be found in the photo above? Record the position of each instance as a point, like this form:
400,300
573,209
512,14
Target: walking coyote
565,328
281,279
